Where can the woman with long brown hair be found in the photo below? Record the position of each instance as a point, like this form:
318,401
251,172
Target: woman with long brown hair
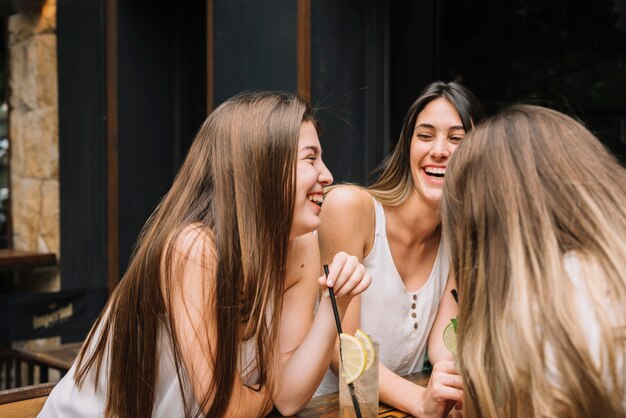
215,314
393,226
534,209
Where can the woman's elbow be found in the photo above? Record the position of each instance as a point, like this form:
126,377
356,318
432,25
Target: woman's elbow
290,407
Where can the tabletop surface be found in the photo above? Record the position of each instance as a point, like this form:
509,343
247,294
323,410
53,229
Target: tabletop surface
60,357
327,406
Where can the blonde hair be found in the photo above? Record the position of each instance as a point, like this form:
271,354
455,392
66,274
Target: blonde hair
236,187
526,188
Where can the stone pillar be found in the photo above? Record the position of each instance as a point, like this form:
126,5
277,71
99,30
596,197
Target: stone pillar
34,134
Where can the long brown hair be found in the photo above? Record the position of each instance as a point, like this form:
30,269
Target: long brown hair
238,184
394,184
527,189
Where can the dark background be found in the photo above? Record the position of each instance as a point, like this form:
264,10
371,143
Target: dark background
567,55
369,60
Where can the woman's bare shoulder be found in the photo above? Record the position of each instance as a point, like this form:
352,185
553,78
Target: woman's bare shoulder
194,240
303,260
190,254
349,199
348,221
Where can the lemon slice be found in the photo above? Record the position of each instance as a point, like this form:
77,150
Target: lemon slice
366,342
354,357
449,338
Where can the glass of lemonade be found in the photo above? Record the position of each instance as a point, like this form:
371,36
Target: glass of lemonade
362,372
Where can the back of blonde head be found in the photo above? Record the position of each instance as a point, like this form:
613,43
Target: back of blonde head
526,187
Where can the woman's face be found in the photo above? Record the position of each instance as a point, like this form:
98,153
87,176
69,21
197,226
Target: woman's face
438,131
311,177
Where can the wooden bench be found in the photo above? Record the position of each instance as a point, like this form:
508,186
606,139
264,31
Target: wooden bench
24,402
14,360
13,264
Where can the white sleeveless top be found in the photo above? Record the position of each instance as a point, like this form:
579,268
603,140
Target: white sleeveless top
587,316
398,319
66,400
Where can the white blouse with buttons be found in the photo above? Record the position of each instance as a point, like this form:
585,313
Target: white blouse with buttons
398,319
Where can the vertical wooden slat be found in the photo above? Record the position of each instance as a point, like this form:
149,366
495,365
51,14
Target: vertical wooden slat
112,145
209,56
31,374
304,49
43,374
18,373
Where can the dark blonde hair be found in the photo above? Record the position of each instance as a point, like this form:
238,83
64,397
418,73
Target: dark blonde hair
394,184
237,185
525,189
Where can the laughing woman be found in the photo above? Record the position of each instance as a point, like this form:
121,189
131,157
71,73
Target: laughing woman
535,210
393,226
214,316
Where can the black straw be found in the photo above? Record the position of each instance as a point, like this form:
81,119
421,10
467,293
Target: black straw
331,292
455,295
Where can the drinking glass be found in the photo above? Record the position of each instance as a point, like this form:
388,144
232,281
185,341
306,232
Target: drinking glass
365,391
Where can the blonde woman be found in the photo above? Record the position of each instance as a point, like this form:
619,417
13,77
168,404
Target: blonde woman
535,210
393,226
214,316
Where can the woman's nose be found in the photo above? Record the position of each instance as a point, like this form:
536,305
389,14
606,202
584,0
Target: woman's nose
325,177
440,149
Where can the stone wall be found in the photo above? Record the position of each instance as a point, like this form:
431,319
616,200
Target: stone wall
34,134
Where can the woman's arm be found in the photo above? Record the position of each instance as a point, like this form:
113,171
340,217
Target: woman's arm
193,274
348,224
448,309
445,385
307,342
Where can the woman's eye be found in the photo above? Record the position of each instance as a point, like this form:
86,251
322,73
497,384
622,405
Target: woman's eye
456,138
424,137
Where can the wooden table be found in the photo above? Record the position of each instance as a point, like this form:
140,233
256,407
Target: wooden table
327,406
58,357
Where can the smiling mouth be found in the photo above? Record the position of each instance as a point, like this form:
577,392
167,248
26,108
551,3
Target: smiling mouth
317,199
438,172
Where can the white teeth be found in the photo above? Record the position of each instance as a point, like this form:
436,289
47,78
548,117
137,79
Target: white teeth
318,199
438,171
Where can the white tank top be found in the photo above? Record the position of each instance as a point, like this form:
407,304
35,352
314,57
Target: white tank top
398,319
66,400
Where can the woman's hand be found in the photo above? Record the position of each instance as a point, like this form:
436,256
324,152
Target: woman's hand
347,276
445,387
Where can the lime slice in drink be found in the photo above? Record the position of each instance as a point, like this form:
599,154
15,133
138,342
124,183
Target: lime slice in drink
366,342
354,357
449,338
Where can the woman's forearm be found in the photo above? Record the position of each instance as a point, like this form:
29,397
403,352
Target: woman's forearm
399,392
306,367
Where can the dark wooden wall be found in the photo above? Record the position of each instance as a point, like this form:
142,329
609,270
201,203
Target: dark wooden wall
130,102
82,152
82,143
161,70
254,46
136,80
